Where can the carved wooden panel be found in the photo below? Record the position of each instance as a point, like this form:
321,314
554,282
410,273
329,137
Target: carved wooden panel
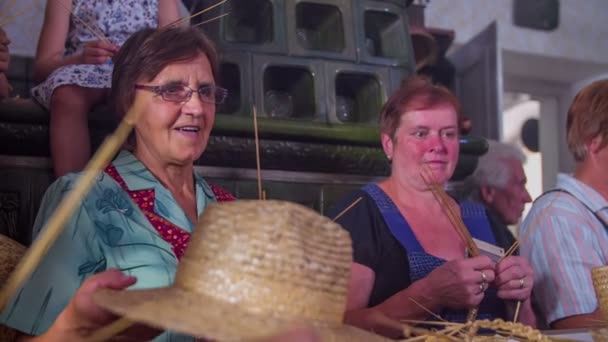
9,213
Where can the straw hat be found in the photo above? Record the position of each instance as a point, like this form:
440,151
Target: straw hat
599,275
252,269
10,253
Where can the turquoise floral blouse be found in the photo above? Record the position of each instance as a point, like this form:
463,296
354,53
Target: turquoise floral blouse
107,231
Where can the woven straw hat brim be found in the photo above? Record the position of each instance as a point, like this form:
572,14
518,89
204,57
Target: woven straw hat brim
205,317
11,253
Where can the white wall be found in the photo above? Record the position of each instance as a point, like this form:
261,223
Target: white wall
552,64
25,28
582,33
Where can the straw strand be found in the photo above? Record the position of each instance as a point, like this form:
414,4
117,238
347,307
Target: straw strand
456,221
504,330
8,20
443,200
517,308
8,8
347,209
182,20
212,19
454,218
426,309
111,330
257,153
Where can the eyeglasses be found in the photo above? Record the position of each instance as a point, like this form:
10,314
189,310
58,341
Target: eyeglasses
181,93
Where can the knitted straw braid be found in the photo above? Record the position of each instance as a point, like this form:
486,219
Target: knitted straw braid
600,284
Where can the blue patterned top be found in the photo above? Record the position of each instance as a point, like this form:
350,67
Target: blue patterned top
107,231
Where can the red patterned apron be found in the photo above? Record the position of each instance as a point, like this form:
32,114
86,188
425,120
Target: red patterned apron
176,236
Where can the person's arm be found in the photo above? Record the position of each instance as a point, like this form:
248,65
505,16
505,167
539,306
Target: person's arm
383,319
168,12
562,250
51,43
590,320
455,284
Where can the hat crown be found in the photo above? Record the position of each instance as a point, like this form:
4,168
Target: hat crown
270,257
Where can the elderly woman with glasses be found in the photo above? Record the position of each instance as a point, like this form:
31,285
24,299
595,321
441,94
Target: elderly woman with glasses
142,208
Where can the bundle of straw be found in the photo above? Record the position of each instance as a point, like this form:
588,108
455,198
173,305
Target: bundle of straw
461,332
444,200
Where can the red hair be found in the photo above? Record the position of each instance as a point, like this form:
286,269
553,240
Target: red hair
415,93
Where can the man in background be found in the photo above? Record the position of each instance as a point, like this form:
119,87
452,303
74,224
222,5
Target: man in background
499,183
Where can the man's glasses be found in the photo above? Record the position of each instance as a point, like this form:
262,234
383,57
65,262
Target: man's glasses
181,93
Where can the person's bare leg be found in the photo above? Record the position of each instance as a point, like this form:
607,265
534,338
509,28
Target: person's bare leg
69,131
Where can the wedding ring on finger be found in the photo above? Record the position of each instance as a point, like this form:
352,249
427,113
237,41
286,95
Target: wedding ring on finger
484,279
522,283
482,287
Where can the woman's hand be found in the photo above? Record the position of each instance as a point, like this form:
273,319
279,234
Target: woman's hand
82,316
98,52
461,283
514,278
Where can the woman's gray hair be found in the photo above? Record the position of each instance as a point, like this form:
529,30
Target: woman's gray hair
492,168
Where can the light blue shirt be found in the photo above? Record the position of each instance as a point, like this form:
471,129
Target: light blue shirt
107,231
567,239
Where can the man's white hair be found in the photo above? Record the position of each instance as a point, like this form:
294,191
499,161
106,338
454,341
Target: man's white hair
492,168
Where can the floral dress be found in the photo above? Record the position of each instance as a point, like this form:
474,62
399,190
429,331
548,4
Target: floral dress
117,20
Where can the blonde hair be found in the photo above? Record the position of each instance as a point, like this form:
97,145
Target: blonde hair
588,118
